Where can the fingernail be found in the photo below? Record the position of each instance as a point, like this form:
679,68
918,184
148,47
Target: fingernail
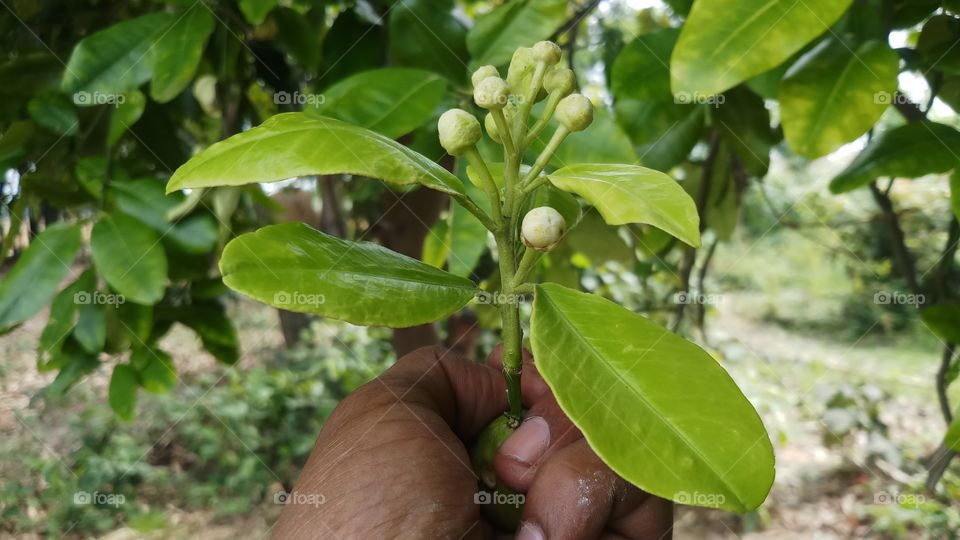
529,442
529,531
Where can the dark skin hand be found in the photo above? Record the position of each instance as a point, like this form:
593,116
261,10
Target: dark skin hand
391,462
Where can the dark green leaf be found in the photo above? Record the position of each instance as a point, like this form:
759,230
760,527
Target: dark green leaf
130,258
664,132
642,70
177,52
125,115
423,35
939,44
123,391
497,34
299,36
157,373
255,11
54,112
944,321
744,124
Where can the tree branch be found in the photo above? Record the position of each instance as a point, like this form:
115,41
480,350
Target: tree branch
901,254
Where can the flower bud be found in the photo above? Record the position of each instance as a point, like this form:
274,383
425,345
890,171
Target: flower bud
561,80
575,112
459,130
521,64
491,125
492,93
547,52
542,228
482,73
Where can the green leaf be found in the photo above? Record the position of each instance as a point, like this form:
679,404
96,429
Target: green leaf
300,36
91,329
664,132
157,373
744,124
604,142
75,364
725,42
944,321
938,42
177,52
633,194
642,69
125,115
425,35
130,258
497,34
217,334
468,240
909,151
952,438
144,199
114,60
123,391
436,245
37,274
566,204
390,101
656,408
294,267
256,11
54,112
955,194
299,144
62,320
598,242
833,95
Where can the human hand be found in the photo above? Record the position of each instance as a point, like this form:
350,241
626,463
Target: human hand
391,461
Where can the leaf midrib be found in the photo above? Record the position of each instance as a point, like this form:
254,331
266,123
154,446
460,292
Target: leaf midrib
636,392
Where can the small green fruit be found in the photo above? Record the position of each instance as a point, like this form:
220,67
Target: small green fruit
459,131
542,228
575,112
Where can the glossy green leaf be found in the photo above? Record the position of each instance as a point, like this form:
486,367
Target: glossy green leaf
497,34
122,393
299,144
663,132
436,245
177,52
725,42
54,112
833,95
37,274
256,11
91,329
424,35
642,70
598,242
294,267
633,194
157,372
390,101
144,199
744,124
944,321
62,320
125,115
657,409
909,151
130,258
468,240
114,60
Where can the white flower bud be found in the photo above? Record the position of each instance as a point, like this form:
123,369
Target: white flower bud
575,112
521,64
482,73
542,228
561,80
547,52
492,93
491,125
459,130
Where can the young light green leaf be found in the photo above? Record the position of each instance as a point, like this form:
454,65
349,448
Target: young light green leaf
633,194
125,115
177,52
34,279
497,34
390,101
944,321
114,60
909,151
656,408
294,267
123,391
300,144
725,42
833,95
130,258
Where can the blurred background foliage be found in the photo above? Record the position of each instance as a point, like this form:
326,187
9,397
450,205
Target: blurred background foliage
818,139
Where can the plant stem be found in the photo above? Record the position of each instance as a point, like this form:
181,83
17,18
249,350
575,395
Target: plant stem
503,128
472,207
510,318
478,164
558,136
529,260
544,119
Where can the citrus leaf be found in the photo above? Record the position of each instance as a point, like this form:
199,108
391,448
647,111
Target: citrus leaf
944,321
300,144
130,258
123,391
497,34
293,267
654,407
633,194
177,52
